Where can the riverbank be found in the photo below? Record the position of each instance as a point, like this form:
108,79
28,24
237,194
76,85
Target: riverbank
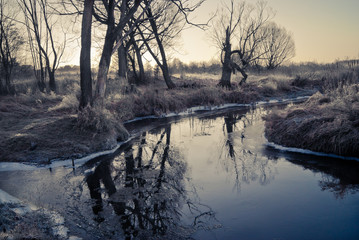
40,128
327,122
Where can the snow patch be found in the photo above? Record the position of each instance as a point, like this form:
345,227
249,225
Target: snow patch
11,166
309,152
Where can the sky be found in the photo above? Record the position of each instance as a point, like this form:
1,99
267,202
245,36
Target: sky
323,30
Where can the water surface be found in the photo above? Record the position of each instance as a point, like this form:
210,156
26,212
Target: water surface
209,176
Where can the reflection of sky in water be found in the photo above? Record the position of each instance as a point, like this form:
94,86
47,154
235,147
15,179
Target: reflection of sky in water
235,186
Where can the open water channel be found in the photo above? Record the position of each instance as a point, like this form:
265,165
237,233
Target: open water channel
207,176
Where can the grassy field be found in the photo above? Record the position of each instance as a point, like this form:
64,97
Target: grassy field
40,127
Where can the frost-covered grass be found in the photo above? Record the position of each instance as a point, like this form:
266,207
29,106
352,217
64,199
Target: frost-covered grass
326,122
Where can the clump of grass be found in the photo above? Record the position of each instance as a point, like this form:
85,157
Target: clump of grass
101,121
336,81
326,122
205,96
70,101
300,81
274,86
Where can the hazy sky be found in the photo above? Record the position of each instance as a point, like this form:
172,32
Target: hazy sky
323,30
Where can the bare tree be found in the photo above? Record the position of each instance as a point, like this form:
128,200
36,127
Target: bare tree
122,62
10,41
116,16
114,29
85,56
278,46
165,21
240,23
163,18
46,52
136,60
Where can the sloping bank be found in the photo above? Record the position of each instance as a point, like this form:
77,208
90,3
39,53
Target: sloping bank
326,123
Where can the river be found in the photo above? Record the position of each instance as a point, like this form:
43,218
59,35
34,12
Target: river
211,175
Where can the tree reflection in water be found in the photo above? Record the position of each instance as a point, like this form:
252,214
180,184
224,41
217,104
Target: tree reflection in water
145,185
144,189
246,164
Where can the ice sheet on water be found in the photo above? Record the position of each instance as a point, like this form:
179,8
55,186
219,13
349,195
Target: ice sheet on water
11,166
309,152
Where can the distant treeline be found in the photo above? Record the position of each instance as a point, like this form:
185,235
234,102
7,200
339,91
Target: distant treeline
213,67
176,66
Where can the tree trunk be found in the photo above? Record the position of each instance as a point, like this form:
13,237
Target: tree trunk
113,30
8,88
52,83
104,66
41,79
2,90
85,57
122,63
167,77
133,79
164,65
6,60
226,63
141,77
245,76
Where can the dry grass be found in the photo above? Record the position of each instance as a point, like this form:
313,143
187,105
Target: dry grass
327,122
